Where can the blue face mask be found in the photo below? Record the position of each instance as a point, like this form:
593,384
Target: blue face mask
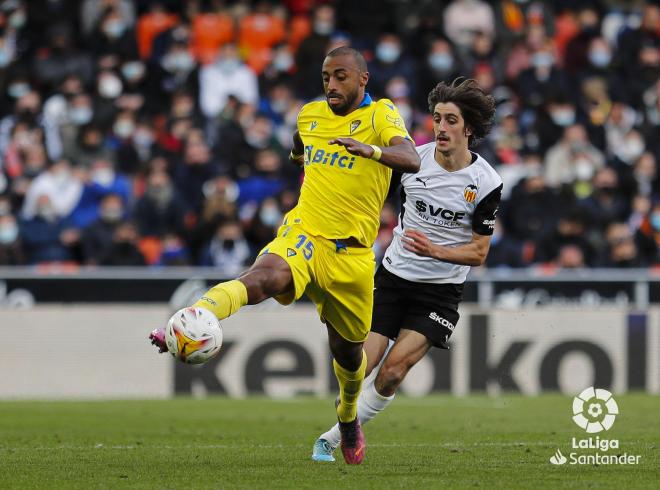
600,58
543,60
655,221
441,62
16,90
387,52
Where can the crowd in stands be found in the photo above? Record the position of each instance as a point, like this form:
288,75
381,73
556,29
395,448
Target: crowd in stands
157,132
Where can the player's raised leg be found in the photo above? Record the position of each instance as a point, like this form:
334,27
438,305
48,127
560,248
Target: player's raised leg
269,276
374,347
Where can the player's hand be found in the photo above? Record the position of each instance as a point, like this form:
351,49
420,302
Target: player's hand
417,242
354,147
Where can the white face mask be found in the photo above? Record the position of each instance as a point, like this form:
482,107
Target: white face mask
103,176
179,61
283,62
81,115
229,65
323,28
584,170
133,70
110,87
123,129
563,117
630,150
270,215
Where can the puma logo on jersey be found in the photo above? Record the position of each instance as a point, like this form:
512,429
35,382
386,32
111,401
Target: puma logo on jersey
313,125
355,125
423,181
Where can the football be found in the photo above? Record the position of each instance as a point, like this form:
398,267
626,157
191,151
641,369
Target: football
193,335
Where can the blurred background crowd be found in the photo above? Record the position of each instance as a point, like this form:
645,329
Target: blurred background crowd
157,132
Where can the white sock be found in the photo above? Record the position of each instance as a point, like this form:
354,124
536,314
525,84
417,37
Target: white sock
370,404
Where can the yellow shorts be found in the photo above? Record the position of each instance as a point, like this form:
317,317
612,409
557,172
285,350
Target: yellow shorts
339,280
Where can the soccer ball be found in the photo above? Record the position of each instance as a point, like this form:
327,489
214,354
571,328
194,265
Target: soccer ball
193,335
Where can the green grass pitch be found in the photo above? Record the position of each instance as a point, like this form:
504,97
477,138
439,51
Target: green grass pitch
434,442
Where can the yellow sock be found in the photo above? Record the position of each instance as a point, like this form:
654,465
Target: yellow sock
224,299
350,383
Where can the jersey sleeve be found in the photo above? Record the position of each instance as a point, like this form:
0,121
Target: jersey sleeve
483,221
388,123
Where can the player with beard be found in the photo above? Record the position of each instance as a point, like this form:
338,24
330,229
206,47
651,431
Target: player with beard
447,218
348,145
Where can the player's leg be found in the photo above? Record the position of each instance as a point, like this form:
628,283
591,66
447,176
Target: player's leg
374,347
408,349
350,364
269,276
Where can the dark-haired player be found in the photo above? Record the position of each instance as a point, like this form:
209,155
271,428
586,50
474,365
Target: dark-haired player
447,218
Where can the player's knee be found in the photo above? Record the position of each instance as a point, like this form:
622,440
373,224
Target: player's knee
389,378
264,282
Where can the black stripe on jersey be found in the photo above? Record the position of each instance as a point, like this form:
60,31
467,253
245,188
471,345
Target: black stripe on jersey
483,220
402,198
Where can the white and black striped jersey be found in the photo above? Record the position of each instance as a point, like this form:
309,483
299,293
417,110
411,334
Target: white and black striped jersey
447,207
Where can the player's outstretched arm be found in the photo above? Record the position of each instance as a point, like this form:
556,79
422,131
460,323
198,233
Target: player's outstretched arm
473,253
400,155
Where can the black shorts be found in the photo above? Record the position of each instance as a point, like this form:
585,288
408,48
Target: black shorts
430,309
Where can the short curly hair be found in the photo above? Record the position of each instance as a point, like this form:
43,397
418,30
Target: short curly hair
477,107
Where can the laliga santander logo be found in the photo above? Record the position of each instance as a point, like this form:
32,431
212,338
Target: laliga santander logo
594,410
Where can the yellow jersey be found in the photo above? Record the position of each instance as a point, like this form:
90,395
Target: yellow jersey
342,194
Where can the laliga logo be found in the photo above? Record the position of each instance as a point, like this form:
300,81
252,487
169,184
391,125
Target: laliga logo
594,410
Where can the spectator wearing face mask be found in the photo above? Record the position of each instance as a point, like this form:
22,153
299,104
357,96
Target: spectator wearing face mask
621,249
101,180
572,158
576,55
390,61
226,76
228,250
606,204
266,181
439,63
97,238
60,184
160,210
263,224
92,11
312,50
11,246
124,250
89,147
113,35
28,113
196,167
543,78
45,235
